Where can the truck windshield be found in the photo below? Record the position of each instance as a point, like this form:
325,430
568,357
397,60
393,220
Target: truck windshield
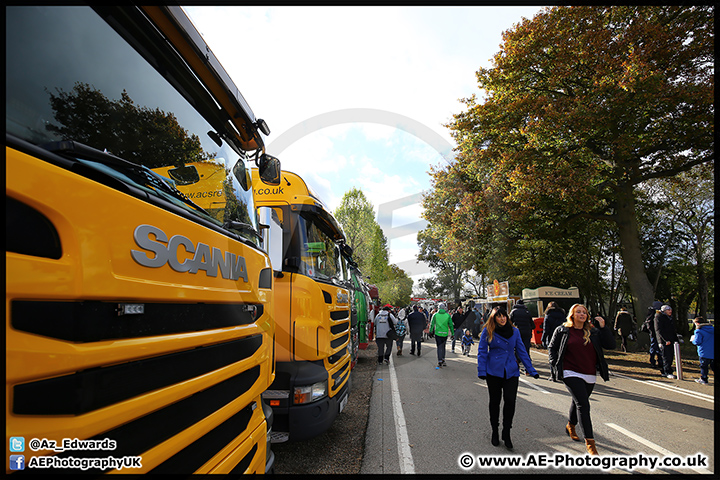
71,77
320,256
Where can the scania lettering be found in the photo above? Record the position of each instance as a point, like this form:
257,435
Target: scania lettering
231,266
139,300
312,309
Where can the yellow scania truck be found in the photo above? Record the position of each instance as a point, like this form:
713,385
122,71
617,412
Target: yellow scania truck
312,309
139,319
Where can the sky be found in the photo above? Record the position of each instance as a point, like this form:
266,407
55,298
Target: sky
358,96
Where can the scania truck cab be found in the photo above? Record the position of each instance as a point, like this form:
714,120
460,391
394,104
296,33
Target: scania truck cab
312,309
139,327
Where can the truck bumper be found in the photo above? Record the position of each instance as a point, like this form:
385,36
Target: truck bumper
300,422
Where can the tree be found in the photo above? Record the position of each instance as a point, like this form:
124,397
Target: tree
156,139
477,282
450,272
431,287
393,283
379,256
396,289
357,216
583,105
690,200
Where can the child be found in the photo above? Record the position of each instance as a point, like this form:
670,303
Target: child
467,341
704,338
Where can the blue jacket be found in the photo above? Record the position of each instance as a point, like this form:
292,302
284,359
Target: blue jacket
498,358
705,340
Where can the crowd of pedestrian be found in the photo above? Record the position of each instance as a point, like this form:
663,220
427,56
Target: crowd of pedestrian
392,325
575,342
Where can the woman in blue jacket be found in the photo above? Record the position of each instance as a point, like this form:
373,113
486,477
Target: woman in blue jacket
499,342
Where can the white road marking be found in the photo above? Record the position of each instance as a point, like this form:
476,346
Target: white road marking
654,446
403,444
533,385
681,391
642,440
704,396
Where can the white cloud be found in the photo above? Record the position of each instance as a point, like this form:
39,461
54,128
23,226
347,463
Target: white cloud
377,132
403,216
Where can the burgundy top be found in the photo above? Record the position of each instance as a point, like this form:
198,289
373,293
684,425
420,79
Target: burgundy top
578,357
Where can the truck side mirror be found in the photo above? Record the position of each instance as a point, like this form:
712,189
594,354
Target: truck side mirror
186,175
272,236
269,169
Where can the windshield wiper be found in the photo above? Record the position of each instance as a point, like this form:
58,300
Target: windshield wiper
146,176
90,153
243,226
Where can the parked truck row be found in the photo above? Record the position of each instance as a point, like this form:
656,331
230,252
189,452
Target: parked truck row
170,290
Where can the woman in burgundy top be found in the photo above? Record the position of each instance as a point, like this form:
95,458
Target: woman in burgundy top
576,356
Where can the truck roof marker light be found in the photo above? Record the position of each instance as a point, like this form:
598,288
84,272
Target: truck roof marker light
262,126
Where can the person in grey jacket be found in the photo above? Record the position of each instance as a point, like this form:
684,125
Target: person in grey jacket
576,356
384,321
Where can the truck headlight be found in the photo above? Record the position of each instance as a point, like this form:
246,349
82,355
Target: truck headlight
310,393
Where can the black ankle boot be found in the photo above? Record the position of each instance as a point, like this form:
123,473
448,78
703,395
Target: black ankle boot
495,440
506,438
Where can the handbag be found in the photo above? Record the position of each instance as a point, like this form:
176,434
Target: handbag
391,333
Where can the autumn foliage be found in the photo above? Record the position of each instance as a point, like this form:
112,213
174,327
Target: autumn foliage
581,106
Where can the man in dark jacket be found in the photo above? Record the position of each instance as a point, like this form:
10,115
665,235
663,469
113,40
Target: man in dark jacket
666,337
416,321
624,326
554,317
648,327
469,317
521,318
458,320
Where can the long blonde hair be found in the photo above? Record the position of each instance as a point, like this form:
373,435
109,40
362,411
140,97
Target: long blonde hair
587,326
491,324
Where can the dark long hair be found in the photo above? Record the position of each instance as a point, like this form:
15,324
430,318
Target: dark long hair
491,324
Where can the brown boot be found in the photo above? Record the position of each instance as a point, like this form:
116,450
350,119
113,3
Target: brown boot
570,430
590,446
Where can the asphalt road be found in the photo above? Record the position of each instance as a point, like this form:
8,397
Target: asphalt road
430,420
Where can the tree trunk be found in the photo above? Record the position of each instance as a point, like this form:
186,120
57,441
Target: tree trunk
702,283
640,286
